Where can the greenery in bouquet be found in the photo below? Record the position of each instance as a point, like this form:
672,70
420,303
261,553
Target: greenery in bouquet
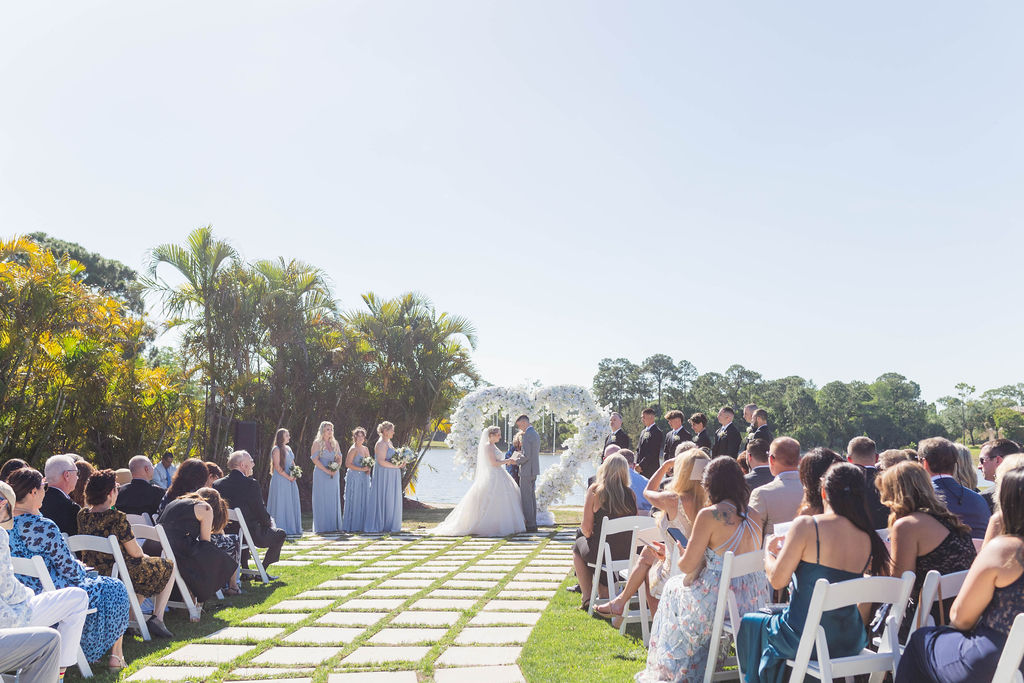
403,457
369,464
334,466
295,471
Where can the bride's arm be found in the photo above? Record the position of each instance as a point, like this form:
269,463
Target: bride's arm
496,459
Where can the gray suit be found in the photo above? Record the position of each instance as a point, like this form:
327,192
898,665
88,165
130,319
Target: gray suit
529,468
33,652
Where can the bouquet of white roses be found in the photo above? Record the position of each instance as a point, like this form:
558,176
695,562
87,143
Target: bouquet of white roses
403,457
369,464
295,471
334,466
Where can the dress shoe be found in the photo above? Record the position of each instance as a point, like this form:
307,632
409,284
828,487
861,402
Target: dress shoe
157,629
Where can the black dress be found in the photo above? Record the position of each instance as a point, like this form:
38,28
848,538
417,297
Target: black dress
954,554
203,566
586,546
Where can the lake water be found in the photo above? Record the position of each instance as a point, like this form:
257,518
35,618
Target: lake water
445,486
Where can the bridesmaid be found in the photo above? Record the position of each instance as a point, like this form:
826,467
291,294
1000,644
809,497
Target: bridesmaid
385,512
283,498
357,484
326,487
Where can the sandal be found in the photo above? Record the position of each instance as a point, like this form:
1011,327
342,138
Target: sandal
120,664
606,611
232,591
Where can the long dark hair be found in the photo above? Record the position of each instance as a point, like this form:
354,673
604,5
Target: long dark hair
190,476
1011,501
846,488
11,465
812,468
723,480
279,445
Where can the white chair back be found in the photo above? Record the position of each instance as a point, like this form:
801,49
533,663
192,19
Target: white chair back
632,524
245,538
733,566
936,586
157,533
1008,669
642,612
111,546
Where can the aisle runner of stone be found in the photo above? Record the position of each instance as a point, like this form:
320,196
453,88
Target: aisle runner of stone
384,620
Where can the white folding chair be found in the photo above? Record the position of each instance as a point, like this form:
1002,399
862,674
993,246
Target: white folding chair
157,533
642,613
829,596
35,567
235,515
144,518
1008,669
722,631
111,546
632,524
936,586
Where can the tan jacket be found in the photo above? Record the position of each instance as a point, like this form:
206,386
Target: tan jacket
778,500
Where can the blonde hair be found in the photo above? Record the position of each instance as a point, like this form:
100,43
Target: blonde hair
1010,462
964,471
383,427
320,436
681,481
613,490
906,488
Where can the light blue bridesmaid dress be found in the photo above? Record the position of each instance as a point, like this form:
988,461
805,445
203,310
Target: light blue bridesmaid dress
358,498
326,495
386,508
283,499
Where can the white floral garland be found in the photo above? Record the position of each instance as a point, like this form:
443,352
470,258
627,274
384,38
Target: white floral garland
567,402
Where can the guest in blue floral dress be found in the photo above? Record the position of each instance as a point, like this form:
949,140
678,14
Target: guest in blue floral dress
283,496
681,632
34,534
357,484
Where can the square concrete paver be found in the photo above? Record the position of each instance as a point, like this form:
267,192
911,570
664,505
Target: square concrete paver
172,673
512,595
301,605
275,618
352,618
379,655
406,583
371,604
274,680
451,593
470,575
324,635
344,583
374,677
492,618
416,617
390,593
493,635
478,656
201,652
474,674
244,633
296,655
516,605
269,671
326,594
531,585
442,603
405,636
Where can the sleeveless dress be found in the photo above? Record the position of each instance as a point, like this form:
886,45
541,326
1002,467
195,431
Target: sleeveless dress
946,655
37,535
766,641
203,566
586,546
386,510
660,572
326,495
954,554
681,632
283,498
357,498
149,574
491,507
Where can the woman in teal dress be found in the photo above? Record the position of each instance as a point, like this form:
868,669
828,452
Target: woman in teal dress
385,513
283,497
357,484
326,456
852,548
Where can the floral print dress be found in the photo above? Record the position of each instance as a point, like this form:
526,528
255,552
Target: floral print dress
36,535
149,575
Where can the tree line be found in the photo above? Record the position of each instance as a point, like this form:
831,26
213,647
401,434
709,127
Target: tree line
889,409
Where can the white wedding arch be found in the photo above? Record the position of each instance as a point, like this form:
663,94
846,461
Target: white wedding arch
566,402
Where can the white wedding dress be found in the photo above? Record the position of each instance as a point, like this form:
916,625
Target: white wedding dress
492,506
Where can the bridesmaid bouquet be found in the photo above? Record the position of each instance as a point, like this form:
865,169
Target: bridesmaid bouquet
369,463
403,457
295,471
334,466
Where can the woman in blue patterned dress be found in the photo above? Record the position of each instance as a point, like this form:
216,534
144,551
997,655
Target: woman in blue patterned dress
357,484
34,534
283,497
325,453
386,508
681,632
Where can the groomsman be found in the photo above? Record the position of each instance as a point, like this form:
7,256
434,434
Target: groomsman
748,417
728,437
676,435
760,425
701,437
618,436
648,456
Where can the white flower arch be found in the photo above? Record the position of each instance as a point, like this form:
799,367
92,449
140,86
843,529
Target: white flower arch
567,402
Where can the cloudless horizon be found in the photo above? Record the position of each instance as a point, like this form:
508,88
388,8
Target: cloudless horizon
804,189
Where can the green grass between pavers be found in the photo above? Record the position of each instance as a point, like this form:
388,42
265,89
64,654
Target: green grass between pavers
567,645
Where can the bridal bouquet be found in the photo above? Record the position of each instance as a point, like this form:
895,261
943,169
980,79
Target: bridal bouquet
403,457
295,471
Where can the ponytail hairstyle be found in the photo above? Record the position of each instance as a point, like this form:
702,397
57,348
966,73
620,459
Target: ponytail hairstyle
279,445
846,490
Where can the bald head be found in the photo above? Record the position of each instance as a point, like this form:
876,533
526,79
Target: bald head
610,450
784,454
141,467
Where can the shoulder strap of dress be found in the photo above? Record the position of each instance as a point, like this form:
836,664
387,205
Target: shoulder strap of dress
817,542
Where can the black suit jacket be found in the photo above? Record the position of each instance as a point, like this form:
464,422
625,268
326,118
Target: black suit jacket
61,510
878,513
761,432
759,476
703,440
138,496
727,441
244,493
672,441
620,438
648,450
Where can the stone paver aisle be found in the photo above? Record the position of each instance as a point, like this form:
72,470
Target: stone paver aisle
398,604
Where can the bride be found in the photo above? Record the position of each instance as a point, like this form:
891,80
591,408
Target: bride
492,506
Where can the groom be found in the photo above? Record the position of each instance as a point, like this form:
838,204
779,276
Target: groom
529,468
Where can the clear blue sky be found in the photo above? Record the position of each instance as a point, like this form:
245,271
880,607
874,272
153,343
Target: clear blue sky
803,187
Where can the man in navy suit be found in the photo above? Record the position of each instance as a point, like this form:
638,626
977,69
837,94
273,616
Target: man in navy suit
938,456
757,457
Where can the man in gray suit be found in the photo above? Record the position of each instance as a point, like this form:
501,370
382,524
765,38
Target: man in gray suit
529,468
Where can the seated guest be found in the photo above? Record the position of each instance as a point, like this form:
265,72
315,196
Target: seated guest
757,458
743,463
214,471
85,471
140,495
851,548
938,456
231,544
33,534
10,466
890,457
61,478
681,631
610,497
989,458
163,473
677,507
675,435
33,652
188,478
778,500
241,491
862,453
150,576
812,468
964,471
983,612
637,482
995,523
923,534
189,522
20,607
701,437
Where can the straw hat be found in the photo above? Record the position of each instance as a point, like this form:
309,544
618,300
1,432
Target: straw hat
123,475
